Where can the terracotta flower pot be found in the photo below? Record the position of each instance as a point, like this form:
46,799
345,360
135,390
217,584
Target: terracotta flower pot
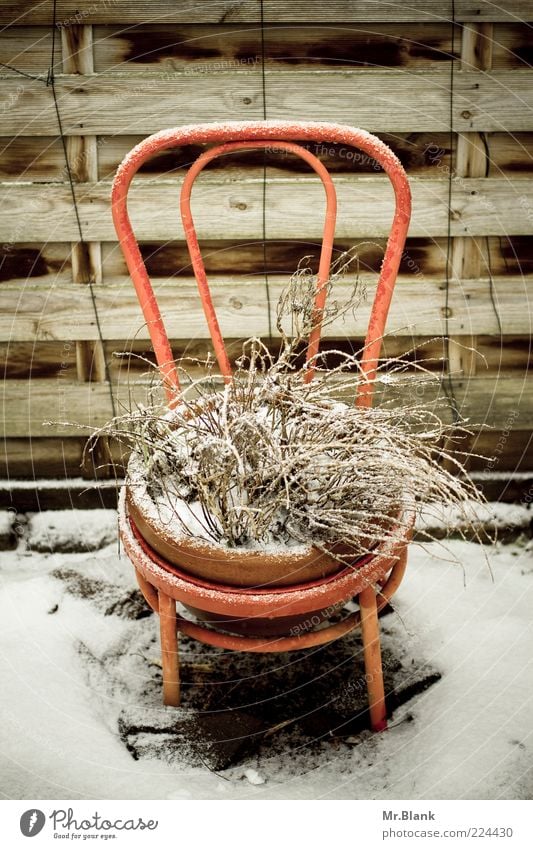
277,622
257,573
240,567
236,567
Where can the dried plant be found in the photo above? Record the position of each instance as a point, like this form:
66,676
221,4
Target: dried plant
273,460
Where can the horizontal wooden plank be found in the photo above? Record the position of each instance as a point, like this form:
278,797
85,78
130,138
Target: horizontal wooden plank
28,405
65,312
26,48
511,44
48,457
50,264
380,101
244,11
68,492
32,159
421,154
42,458
41,158
509,153
484,401
507,355
230,206
510,451
503,356
198,48
422,256
51,457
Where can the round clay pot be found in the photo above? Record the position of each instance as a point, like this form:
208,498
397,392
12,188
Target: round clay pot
236,567
232,566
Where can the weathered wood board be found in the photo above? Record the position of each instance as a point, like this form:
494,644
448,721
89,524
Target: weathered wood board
379,101
249,11
65,311
230,207
124,70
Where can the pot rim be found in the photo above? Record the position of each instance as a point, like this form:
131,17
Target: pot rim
291,599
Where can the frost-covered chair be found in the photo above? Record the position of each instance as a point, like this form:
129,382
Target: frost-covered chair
299,611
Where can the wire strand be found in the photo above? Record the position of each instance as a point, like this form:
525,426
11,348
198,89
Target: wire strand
50,81
489,259
491,290
23,73
447,380
263,86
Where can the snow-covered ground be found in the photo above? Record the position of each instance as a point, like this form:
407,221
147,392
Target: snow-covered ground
79,672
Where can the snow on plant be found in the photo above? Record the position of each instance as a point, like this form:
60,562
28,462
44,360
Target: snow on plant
275,458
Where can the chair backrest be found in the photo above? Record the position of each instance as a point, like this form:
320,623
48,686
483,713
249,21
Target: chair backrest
259,134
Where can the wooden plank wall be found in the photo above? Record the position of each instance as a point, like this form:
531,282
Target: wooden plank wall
126,69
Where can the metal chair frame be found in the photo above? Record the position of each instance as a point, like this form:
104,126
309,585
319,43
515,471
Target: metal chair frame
372,581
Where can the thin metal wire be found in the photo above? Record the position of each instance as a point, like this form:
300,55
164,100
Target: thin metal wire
489,260
449,388
50,81
491,290
263,85
23,73
487,153
447,378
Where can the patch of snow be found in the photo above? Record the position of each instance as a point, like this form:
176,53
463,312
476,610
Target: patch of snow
58,483
7,520
187,520
71,530
182,793
468,736
253,776
501,476
490,515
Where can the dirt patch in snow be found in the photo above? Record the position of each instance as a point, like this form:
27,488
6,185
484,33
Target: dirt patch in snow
8,538
214,740
108,597
241,708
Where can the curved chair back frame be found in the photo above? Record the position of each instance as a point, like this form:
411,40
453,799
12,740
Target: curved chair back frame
253,134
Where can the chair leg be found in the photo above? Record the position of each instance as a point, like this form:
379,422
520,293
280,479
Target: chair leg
372,655
169,650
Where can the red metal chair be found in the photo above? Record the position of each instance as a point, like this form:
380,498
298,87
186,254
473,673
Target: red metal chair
372,579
